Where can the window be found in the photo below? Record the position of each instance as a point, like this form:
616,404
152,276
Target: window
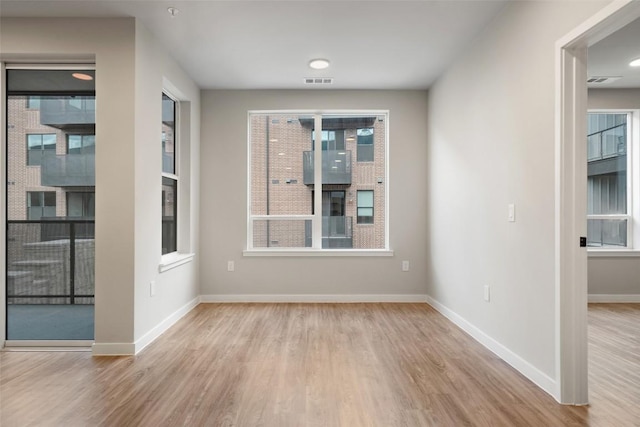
331,204
81,205
39,146
33,102
365,144
365,207
609,184
81,144
169,177
41,204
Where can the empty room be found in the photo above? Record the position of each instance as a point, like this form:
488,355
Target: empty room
331,213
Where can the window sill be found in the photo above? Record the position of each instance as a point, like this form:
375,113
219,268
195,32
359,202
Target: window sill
612,253
174,260
317,252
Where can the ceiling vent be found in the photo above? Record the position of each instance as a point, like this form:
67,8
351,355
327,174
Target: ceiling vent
602,80
318,80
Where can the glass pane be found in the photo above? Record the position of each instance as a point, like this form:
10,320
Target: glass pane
75,144
34,142
282,233
365,198
168,134
607,232
282,166
49,142
169,206
49,198
607,164
43,301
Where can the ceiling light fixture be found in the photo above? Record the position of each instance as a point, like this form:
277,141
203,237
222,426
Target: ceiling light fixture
319,64
82,76
635,63
173,11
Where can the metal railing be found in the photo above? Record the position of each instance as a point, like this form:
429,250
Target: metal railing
51,261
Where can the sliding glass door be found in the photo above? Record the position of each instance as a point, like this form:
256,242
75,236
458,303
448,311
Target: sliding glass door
50,204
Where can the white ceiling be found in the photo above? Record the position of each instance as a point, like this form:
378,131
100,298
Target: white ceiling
266,44
610,57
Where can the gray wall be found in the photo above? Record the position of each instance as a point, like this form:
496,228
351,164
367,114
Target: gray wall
224,200
614,275
492,143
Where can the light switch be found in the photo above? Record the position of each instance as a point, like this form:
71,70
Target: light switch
512,212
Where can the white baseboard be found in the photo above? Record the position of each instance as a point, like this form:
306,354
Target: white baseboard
114,349
538,377
611,298
162,327
314,298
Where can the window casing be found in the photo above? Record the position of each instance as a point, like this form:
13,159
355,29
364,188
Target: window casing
612,185
290,152
169,203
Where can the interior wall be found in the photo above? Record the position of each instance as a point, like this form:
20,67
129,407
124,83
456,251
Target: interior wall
176,288
111,43
130,70
224,201
614,275
491,144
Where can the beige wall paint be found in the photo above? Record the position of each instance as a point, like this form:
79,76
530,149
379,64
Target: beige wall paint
491,143
129,70
224,200
614,275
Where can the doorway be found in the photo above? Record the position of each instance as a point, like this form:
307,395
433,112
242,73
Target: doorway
50,236
571,211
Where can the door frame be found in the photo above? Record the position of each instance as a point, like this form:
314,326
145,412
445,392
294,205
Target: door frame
571,196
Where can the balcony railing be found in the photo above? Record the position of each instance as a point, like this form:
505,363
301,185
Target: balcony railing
70,170
68,112
50,262
336,167
337,232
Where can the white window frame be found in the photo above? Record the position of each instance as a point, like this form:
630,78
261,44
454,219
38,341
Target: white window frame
316,218
633,189
182,254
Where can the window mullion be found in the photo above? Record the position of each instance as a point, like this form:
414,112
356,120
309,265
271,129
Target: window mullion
317,179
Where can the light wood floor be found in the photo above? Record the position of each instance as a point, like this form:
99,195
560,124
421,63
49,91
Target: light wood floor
317,365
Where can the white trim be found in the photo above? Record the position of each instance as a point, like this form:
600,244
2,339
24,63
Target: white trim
163,326
614,298
535,375
316,219
173,260
47,345
114,349
570,271
315,298
311,252
612,253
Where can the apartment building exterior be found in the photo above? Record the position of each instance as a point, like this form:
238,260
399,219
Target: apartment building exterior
353,180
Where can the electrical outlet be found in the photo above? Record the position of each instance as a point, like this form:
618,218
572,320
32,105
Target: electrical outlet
487,293
231,266
405,265
152,288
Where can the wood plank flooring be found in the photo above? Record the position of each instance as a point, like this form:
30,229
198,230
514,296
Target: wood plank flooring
315,365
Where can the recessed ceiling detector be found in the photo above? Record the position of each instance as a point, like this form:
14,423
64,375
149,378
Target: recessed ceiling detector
635,63
173,11
319,64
